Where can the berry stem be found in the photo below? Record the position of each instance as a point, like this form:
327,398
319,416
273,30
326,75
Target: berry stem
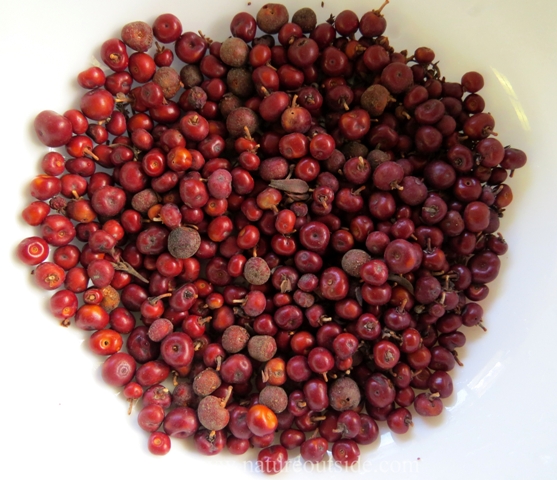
124,266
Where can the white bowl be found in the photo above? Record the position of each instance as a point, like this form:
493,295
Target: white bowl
58,416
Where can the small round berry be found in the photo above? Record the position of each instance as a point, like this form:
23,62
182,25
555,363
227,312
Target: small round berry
261,420
159,443
118,369
32,250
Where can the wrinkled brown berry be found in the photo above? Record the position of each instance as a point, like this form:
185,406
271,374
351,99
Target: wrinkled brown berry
353,260
344,394
274,397
206,382
234,339
305,18
183,242
138,36
271,17
256,271
262,347
169,81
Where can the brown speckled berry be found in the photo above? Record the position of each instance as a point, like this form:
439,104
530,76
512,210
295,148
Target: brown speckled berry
344,394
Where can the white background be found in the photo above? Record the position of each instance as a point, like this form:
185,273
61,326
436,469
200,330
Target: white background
58,419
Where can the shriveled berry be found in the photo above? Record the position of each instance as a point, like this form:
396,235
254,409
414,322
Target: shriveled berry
375,99
353,260
262,347
271,17
306,19
159,329
235,338
169,81
274,397
183,242
240,119
206,382
212,414
138,36
234,52
344,394
257,271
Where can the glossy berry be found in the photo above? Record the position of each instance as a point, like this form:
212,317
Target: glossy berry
159,443
272,460
32,250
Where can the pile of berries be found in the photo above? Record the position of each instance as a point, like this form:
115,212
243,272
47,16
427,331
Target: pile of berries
282,233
